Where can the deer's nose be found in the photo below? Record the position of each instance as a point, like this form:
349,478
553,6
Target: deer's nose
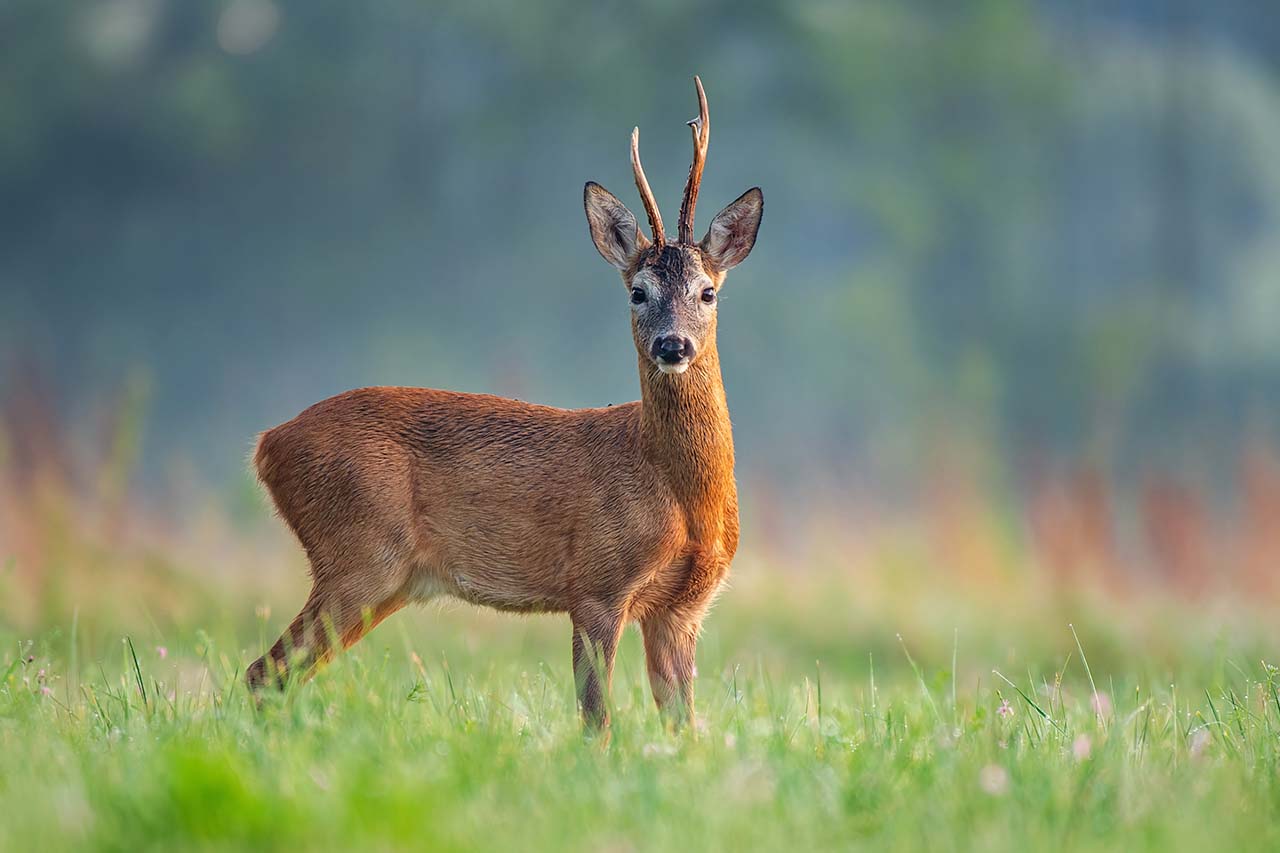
672,349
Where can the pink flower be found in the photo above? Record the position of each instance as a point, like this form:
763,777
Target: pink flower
1082,747
46,691
1005,710
994,780
162,652
1101,704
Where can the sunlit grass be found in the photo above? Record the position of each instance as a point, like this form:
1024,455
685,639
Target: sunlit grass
818,727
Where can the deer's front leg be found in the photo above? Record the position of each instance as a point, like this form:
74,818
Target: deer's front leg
596,630
670,642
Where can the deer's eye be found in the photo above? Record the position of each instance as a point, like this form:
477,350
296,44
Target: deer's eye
709,295
638,295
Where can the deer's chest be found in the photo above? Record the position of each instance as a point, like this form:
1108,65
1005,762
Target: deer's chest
700,576
689,579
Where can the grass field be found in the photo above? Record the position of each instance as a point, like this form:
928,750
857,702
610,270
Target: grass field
884,708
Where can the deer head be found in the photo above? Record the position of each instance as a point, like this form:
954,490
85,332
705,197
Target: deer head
673,287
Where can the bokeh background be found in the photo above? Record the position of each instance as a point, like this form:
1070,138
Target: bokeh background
1012,317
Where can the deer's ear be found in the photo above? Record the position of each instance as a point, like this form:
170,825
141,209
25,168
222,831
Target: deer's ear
613,227
733,231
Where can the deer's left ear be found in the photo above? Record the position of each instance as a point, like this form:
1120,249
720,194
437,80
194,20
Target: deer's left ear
733,231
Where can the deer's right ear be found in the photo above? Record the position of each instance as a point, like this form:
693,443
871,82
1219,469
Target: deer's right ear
613,227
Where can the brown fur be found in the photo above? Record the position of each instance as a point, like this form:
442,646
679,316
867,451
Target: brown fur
609,515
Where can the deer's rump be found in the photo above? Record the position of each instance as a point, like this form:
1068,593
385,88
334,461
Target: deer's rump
420,492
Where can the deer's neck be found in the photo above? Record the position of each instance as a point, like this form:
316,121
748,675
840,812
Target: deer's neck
686,434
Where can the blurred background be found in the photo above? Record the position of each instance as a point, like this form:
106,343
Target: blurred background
1012,316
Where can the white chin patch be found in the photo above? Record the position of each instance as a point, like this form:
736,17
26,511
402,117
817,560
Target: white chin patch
679,367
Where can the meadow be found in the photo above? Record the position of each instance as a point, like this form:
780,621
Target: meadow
1003,369
876,694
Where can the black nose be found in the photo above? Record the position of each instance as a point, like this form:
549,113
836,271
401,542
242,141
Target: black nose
672,349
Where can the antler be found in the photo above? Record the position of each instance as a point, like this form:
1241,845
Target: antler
701,136
646,194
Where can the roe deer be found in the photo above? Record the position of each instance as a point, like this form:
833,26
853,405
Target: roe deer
615,514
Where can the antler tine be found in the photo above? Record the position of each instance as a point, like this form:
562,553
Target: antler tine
701,136
646,194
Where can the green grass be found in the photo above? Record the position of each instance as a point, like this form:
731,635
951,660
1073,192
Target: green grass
817,727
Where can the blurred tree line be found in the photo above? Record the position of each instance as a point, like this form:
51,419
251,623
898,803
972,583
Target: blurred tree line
1048,227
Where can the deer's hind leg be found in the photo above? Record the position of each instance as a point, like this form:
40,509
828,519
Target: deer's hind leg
348,598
